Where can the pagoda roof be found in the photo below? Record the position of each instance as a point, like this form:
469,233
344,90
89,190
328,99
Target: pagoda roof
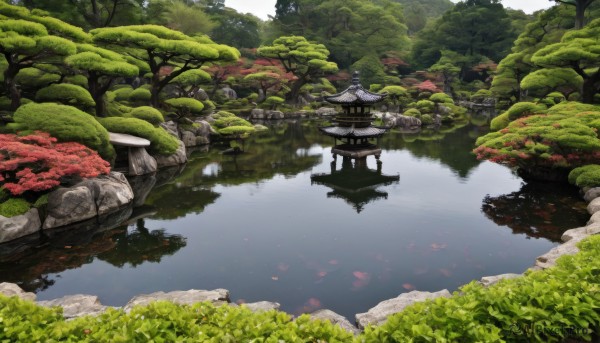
355,95
352,132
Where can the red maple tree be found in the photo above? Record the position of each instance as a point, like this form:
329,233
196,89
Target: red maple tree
37,162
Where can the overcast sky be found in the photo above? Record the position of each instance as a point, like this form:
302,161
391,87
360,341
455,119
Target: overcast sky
262,8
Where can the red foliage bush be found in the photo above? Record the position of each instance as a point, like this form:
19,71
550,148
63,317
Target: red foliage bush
37,162
428,86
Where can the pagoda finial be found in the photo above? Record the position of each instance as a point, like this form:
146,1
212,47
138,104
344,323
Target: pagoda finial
356,78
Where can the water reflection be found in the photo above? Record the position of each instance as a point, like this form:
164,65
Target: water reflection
537,210
355,182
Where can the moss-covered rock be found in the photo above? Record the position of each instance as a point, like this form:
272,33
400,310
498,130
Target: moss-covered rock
14,207
586,176
66,123
500,122
161,142
185,107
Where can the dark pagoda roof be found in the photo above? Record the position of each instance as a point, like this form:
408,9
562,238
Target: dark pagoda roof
355,95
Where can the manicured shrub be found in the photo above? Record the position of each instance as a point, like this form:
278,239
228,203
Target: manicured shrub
147,113
66,94
273,102
500,122
586,176
123,93
140,96
14,207
228,124
412,112
441,98
37,162
426,119
161,142
185,107
425,106
480,95
65,123
560,140
523,109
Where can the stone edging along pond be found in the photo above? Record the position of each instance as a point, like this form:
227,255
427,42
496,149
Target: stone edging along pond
81,305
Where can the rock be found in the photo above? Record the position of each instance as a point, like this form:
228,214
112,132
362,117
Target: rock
378,314
275,115
325,111
437,120
549,259
259,127
171,127
580,233
69,205
19,226
200,94
141,187
444,111
188,138
11,289
594,206
592,194
180,297
140,162
175,159
595,218
407,122
262,306
110,192
490,280
336,319
229,93
257,113
76,305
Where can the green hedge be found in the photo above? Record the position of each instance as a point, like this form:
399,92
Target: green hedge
66,123
161,142
148,113
66,94
586,176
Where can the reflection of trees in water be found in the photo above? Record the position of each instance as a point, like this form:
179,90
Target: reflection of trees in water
141,245
538,210
29,263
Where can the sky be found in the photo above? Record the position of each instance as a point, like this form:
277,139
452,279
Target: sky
263,8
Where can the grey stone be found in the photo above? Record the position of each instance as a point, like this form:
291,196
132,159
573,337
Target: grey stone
257,113
175,159
229,93
591,194
259,127
11,289
379,314
77,305
202,140
336,319
122,139
201,94
325,111
595,218
275,115
582,232
262,306
407,121
140,162
19,226
180,297
111,192
171,127
490,280
594,206
443,110
549,259
69,205
188,138
203,129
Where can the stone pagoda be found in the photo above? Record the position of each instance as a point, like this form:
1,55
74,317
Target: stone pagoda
354,123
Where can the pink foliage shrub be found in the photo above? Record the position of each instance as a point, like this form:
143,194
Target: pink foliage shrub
37,162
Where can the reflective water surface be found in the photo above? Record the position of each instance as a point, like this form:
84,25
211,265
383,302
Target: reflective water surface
285,222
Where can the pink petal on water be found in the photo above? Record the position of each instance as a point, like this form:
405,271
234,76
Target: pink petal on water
361,275
314,302
445,272
333,262
408,286
322,273
275,278
283,267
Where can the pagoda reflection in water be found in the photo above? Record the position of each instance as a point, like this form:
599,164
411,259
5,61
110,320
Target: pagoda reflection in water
355,182
354,122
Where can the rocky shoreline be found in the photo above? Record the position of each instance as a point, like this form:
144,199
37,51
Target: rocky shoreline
81,305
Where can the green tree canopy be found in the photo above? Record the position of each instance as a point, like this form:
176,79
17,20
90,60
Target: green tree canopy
306,60
160,47
580,7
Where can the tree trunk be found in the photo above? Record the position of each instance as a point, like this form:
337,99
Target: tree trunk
292,96
11,87
589,88
580,14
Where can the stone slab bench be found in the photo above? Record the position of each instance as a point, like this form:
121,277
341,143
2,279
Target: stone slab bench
140,162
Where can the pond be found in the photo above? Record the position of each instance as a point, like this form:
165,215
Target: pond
285,222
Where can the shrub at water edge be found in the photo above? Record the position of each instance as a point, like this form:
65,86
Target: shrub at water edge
65,123
161,142
147,113
586,176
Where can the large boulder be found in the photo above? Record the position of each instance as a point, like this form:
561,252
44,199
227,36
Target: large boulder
175,159
19,226
180,297
229,93
11,289
408,122
325,111
257,113
379,314
140,162
336,319
87,199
